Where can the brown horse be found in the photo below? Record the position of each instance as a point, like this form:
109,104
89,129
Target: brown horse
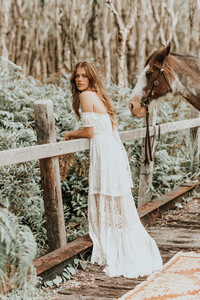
166,72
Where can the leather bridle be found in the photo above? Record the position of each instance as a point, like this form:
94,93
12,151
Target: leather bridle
144,103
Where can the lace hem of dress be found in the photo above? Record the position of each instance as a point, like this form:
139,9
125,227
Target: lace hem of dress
120,242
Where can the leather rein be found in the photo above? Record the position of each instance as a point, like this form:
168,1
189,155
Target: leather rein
149,145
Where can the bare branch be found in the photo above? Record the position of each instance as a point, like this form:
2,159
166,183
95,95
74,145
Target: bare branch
118,20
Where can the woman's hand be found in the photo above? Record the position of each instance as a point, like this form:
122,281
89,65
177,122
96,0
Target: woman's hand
67,136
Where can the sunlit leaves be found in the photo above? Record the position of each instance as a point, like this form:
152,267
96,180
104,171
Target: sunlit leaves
67,273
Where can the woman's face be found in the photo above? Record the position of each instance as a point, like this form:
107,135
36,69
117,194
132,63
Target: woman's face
81,80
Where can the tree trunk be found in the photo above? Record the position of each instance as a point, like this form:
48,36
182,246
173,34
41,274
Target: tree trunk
94,29
105,40
4,26
123,34
59,48
194,21
141,34
131,57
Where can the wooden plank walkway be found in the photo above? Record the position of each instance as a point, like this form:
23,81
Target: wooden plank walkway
176,230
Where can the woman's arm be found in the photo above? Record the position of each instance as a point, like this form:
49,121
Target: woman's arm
86,132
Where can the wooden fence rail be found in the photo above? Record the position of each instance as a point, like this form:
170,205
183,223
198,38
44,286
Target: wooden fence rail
47,151
14,156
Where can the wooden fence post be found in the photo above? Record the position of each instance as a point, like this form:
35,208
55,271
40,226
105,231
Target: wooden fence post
146,171
195,132
50,176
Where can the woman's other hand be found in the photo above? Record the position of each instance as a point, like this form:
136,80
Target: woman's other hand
67,136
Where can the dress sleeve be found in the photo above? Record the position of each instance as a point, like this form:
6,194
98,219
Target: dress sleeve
87,120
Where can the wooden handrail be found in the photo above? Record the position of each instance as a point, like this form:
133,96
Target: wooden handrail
20,155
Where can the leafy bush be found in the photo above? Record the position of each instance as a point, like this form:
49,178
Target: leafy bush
175,158
67,273
18,249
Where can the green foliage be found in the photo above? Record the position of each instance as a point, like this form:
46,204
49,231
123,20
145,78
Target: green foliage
20,184
76,227
175,160
18,249
68,272
20,192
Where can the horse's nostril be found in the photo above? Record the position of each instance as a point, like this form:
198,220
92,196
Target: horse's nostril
131,106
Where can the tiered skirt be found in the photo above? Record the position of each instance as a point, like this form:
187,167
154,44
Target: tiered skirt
120,242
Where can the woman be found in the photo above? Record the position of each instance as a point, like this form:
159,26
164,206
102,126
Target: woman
120,242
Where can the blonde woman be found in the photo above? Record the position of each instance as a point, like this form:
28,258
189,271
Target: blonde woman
120,242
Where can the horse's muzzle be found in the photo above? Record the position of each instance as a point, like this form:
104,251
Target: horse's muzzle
136,108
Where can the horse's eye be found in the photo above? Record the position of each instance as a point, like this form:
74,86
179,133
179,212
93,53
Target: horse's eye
149,73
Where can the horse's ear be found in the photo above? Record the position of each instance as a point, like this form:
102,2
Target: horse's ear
163,53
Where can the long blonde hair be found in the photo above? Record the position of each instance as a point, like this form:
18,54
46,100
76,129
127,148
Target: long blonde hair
95,85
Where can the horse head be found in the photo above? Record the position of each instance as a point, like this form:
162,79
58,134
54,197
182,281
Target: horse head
153,82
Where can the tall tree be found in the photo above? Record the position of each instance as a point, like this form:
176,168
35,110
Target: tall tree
4,26
105,35
141,27
123,36
194,30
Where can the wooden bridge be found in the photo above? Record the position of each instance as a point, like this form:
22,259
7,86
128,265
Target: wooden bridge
48,151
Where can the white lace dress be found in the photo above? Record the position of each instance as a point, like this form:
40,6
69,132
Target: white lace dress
120,242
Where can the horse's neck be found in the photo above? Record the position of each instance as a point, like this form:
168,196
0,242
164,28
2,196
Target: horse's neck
186,78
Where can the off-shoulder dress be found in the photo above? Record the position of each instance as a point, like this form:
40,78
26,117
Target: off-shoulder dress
120,242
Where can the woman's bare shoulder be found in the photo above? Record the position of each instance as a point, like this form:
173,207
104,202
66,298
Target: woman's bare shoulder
87,99
87,94
90,102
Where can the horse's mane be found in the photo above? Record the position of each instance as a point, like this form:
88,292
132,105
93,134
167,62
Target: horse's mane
184,56
175,54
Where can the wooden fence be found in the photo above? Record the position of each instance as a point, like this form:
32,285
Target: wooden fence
48,151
